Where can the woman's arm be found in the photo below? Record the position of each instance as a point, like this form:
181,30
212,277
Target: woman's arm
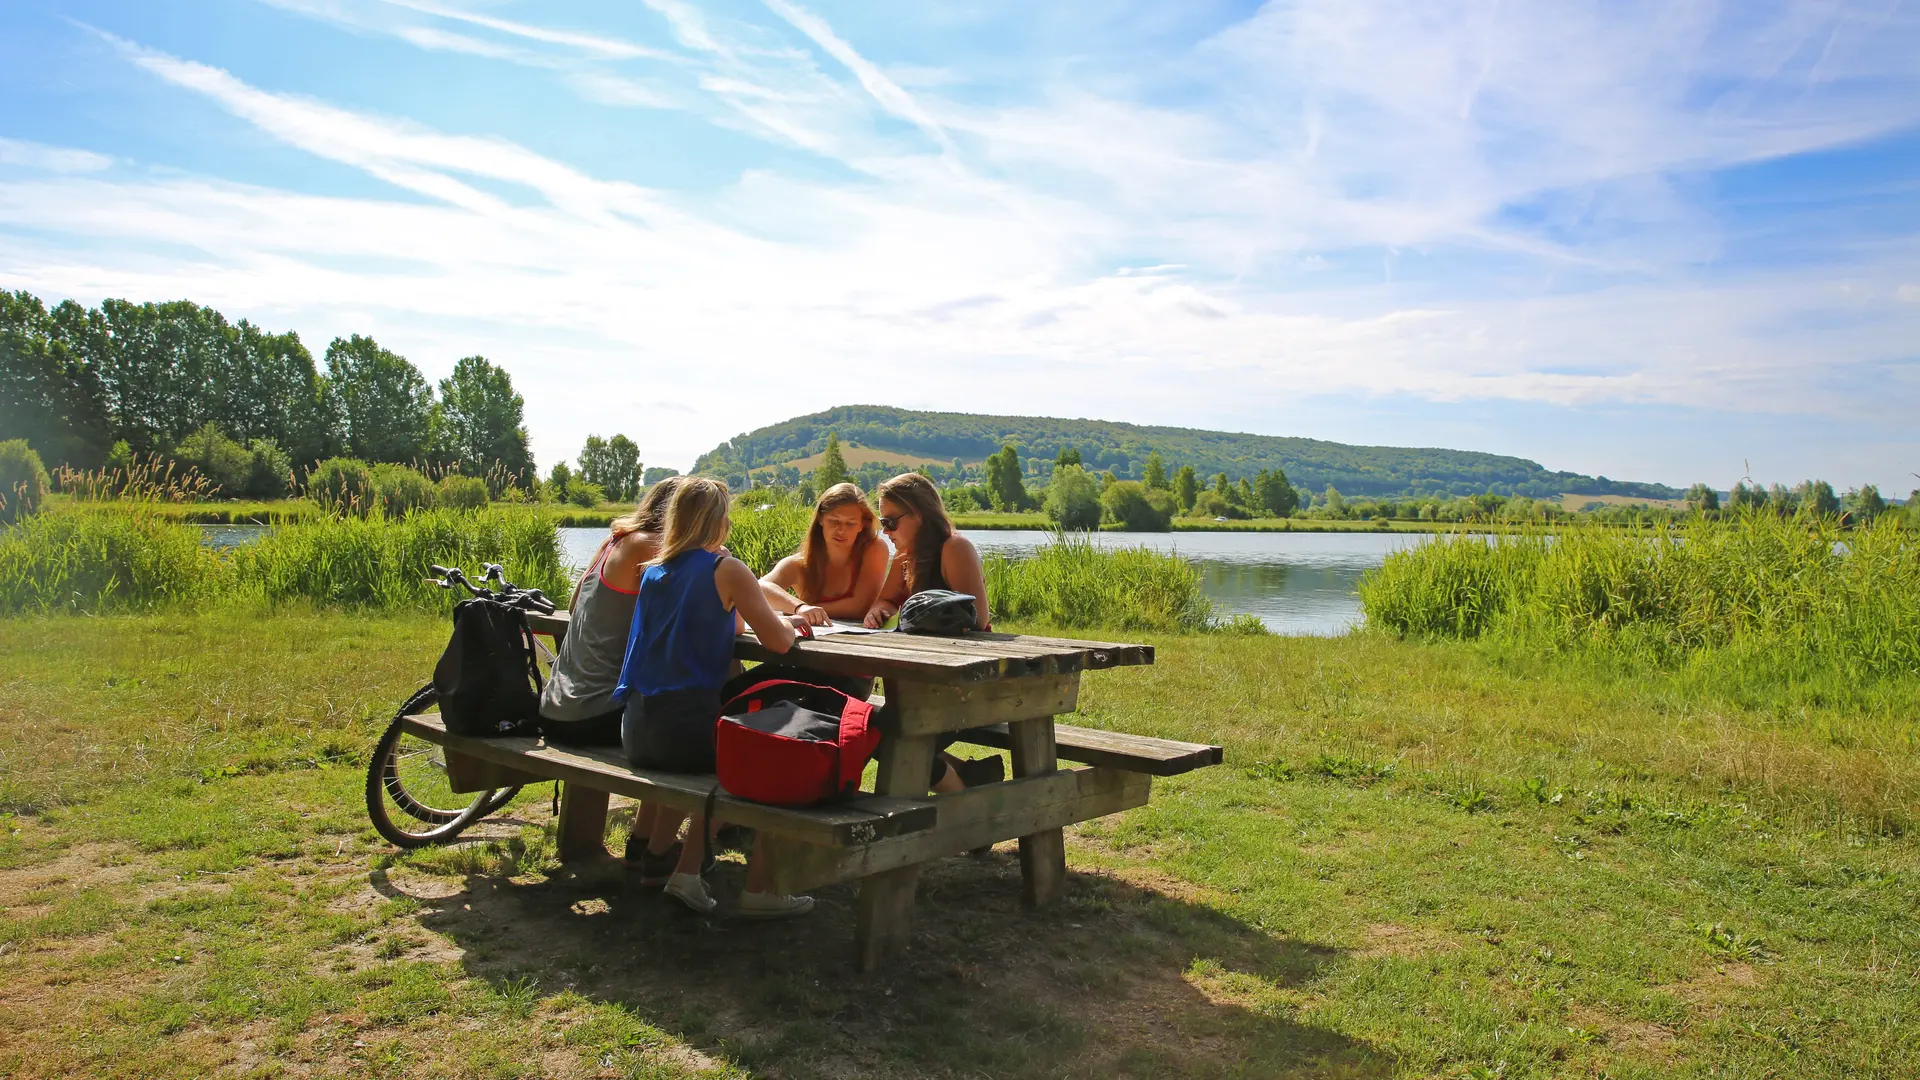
960,565
741,591
867,578
779,584
892,591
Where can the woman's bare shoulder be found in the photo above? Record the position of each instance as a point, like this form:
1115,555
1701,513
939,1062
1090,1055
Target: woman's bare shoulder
958,546
784,570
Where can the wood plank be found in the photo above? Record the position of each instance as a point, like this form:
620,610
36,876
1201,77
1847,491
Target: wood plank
969,658
855,821
1043,853
582,830
968,819
915,708
883,924
466,774
1113,749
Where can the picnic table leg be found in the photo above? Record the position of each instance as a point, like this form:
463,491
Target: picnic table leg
885,920
1043,855
582,829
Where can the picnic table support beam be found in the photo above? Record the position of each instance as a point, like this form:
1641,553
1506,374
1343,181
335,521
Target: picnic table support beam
581,833
884,923
1043,855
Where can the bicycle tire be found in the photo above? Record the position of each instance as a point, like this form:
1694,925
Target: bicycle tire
385,781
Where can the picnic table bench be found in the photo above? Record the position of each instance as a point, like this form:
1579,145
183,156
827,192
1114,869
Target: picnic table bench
1001,690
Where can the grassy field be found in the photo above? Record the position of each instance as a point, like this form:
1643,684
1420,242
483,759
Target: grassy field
1420,861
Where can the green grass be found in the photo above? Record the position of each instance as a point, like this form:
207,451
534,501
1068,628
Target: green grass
1421,860
1788,611
1073,584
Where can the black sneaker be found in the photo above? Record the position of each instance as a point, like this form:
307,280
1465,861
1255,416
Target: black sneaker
733,838
654,869
977,771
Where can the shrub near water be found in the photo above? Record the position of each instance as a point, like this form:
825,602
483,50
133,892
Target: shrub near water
96,559
1789,602
767,528
23,480
377,563
1073,584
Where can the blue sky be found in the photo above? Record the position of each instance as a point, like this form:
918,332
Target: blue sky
1667,241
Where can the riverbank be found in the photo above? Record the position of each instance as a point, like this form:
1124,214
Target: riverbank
1420,860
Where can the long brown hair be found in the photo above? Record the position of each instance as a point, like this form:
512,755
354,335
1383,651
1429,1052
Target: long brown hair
696,518
813,550
918,495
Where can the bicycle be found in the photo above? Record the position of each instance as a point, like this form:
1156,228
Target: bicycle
409,798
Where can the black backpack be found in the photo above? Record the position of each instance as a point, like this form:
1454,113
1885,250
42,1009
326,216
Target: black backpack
488,681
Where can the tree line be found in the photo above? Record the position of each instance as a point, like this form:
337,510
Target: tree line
1123,449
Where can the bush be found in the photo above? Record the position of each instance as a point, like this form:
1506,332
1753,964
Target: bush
23,481
762,537
1130,505
1072,499
382,564
456,492
1212,504
271,475
1768,601
226,465
581,493
342,486
102,558
399,490
1074,584
959,500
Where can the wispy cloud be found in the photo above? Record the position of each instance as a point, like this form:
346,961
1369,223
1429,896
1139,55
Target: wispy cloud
32,155
1471,202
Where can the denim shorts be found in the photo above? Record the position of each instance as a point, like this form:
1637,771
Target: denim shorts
671,731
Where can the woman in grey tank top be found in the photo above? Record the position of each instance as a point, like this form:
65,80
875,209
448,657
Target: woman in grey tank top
576,708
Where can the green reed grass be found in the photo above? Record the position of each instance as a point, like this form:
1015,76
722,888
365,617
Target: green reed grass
92,558
1785,602
767,528
382,563
1074,584
132,555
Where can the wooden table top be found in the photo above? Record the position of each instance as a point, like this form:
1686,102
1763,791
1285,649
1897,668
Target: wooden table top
975,657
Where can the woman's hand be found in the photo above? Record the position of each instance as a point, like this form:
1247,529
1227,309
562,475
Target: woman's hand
879,613
815,616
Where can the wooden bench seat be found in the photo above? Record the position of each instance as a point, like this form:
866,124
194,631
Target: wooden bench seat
503,762
1112,749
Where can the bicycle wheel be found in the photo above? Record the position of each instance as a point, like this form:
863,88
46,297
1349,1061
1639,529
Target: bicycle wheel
409,798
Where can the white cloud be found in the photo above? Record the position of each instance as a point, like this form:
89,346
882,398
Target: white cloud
60,159
1086,244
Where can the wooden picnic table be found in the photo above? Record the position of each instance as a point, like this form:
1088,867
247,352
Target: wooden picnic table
1010,686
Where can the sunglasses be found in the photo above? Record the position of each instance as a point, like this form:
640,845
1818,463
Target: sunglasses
888,524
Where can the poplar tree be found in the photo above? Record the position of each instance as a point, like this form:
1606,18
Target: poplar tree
1186,488
833,466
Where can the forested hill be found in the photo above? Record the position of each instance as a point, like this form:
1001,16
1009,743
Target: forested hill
1309,463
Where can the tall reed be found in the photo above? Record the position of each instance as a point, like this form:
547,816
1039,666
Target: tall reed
381,563
1759,599
767,527
90,558
1074,584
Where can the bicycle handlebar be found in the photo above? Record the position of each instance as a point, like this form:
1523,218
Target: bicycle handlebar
506,592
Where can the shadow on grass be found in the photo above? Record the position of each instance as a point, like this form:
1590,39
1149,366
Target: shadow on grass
1121,980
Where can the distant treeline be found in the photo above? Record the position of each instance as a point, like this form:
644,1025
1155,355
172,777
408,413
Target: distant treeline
86,387
965,440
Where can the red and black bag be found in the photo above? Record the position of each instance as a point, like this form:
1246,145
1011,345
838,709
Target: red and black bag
792,743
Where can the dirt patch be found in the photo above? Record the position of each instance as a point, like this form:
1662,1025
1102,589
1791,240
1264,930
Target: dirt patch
1640,1038
1379,940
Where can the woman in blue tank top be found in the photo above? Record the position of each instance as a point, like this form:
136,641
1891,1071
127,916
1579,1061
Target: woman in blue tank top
693,598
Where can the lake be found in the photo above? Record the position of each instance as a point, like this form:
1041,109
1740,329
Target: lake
1295,583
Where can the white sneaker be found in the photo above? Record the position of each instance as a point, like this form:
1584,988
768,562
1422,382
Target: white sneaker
766,905
691,890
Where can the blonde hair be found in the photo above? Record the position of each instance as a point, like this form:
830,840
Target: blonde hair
651,513
917,493
696,518
813,550
648,517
